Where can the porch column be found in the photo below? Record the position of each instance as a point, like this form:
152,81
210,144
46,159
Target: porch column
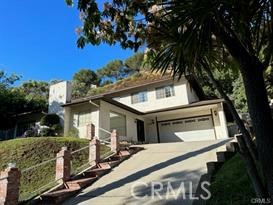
114,141
63,166
67,120
94,152
223,121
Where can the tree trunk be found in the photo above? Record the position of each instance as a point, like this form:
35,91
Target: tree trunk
252,170
252,72
250,144
247,148
260,113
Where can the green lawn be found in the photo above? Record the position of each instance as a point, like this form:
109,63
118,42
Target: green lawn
231,185
27,152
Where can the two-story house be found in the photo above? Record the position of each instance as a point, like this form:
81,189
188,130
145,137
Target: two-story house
164,110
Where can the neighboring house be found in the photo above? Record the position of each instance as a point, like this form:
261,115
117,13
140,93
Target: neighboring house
164,110
23,122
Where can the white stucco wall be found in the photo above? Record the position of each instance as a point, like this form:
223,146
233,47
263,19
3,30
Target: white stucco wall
181,97
104,120
71,118
59,94
219,120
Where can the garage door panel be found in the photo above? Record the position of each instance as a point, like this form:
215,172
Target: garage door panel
193,129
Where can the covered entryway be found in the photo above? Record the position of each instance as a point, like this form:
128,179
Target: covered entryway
187,129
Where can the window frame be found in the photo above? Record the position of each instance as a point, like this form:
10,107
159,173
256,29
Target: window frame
87,118
164,92
142,99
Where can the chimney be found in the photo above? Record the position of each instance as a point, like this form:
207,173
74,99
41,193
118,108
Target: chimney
59,94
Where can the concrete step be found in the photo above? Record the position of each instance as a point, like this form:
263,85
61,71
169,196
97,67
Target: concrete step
224,156
232,147
213,166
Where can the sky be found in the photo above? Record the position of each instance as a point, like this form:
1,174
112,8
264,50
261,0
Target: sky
38,41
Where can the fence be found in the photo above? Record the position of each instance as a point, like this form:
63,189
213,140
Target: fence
55,171
7,134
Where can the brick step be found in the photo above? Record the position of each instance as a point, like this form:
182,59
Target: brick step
81,183
224,156
99,171
114,158
104,165
124,153
114,163
58,196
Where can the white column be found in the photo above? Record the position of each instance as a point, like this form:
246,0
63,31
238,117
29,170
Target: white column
67,120
223,122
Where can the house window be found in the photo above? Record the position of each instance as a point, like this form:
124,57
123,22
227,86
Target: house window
164,92
139,97
118,122
84,118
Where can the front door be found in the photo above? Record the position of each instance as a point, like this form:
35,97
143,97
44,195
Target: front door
140,131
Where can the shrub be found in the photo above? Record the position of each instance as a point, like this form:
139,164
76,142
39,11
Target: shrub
50,120
51,125
31,133
45,132
73,133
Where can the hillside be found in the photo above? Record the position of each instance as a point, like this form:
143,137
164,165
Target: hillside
136,79
231,184
28,152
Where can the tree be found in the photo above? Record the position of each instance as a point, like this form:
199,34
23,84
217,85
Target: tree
185,35
116,70
112,71
269,81
238,95
30,96
135,62
83,81
6,81
35,92
226,77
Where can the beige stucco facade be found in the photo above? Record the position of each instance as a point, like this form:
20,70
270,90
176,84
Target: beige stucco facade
180,117
183,96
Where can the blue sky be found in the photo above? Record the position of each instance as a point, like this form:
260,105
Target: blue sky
38,41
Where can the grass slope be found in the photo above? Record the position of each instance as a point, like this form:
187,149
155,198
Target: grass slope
231,185
28,152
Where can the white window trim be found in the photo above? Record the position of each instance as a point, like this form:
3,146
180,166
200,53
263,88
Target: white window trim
137,94
87,120
164,94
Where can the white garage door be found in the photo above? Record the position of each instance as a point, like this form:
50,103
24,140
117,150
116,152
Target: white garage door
190,129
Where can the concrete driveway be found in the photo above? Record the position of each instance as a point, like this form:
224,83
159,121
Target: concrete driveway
161,174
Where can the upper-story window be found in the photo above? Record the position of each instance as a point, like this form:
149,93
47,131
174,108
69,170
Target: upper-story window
139,97
164,92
